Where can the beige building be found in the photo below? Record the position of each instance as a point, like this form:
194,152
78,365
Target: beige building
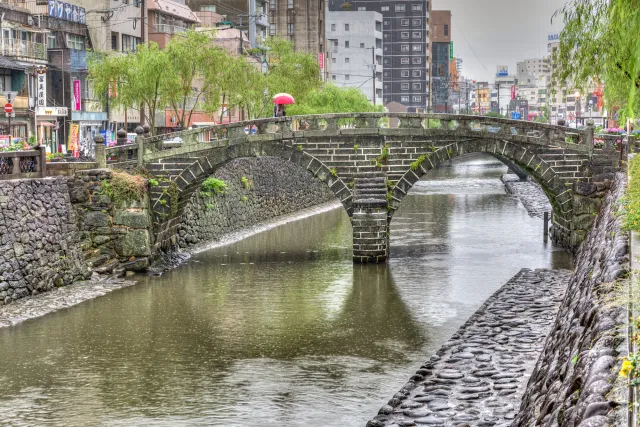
301,22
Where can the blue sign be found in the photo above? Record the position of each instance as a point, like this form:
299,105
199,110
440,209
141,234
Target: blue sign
515,115
66,11
104,135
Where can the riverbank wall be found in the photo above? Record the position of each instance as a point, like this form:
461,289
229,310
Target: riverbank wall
575,381
39,247
257,189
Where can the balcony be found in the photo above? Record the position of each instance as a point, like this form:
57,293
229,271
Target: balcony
162,33
21,49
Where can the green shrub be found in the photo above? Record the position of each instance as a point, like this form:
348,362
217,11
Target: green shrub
124,188
631,201
415,165
212,186
246,182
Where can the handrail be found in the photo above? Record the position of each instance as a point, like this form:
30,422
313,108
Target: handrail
23,164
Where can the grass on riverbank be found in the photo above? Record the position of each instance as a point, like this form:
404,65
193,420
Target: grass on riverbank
631,200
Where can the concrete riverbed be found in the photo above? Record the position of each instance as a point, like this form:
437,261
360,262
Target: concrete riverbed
479,376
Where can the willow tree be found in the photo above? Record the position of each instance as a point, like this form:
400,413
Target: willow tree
600,42
334,99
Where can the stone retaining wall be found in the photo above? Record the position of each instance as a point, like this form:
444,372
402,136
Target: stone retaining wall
38,247
272,187
574,380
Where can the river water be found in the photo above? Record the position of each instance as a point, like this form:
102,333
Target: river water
278,329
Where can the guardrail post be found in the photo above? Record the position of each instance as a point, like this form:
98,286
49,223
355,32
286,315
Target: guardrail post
140,142
121,137
42,160
101,155
588,140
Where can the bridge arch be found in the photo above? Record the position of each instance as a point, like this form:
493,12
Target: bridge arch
558,191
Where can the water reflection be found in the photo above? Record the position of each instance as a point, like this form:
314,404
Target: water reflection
280,328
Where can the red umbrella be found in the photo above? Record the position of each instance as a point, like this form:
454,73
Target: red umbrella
283,98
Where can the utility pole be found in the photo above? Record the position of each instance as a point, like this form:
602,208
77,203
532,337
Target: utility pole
373,66
142,39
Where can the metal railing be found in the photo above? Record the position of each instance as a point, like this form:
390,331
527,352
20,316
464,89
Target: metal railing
24,49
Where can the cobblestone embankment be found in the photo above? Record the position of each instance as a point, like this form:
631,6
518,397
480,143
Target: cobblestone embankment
479,376
529,193
58,298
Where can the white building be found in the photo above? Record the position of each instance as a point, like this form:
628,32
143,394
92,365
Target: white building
355,44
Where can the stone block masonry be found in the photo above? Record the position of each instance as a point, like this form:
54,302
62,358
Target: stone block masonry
258,189
479,376
38,238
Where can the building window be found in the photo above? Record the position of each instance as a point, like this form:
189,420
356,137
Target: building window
416,73
386,61
385,36
129,43
404,35
290,28
416,34
404,86
416,86
114,41
333,60
386,48
404,60
346,43
416,47
416,7
417,22
333,27
384,9
404,99
333,77
76,42
386,22
272,5
272,29
378,44
417,98
404,73
386,74
362,8
346,27
289,4
446,30
417,60
346,60
404,48
404,22
51,41
399,8
346,77
361,45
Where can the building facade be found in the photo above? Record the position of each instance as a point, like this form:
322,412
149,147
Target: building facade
355,52
440,24
405,48
301,22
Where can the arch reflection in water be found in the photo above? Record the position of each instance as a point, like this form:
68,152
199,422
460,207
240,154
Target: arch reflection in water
280,328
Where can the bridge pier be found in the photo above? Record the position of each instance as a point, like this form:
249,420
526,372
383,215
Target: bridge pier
370,219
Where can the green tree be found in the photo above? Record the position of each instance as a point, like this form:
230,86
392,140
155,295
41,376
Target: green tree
600,43
332,99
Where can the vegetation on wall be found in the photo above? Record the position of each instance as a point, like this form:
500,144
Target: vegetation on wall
124,188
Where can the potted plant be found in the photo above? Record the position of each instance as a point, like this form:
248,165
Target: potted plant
346,6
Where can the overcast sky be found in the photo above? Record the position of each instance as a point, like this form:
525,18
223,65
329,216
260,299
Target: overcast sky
487,33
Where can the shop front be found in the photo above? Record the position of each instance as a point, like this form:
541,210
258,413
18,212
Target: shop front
83,128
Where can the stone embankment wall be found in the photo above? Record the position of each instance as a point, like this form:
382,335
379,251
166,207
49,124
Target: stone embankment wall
573,382
271,187
112,237
38,238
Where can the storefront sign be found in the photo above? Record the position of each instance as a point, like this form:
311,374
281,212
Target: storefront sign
77,101
66,11
52,111
41,89
74,137
321,60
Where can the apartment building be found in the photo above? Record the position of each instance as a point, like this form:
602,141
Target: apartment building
440,36
301,22
405,48
355,52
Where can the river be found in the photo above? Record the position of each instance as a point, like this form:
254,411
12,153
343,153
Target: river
280,328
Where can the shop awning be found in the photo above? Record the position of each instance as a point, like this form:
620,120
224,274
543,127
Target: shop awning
10,64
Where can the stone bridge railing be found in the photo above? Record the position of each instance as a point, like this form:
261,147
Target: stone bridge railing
23,164
389,124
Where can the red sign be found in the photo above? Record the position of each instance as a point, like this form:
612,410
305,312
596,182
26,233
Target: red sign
513,92
77,106
321,60
8,108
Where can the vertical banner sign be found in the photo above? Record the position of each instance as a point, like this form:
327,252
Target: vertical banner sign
450,50
77,102
513,92
74,137
41,89
321,60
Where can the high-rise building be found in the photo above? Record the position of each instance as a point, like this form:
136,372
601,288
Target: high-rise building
301,22
405,48
440,25
355,52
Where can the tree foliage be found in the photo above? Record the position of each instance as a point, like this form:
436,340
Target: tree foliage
600,43
333,99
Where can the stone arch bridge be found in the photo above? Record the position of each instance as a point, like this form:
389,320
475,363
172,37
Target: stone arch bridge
370,161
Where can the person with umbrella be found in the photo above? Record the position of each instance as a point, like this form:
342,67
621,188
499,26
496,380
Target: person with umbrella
280,100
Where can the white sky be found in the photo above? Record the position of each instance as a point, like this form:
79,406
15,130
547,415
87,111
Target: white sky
487,33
